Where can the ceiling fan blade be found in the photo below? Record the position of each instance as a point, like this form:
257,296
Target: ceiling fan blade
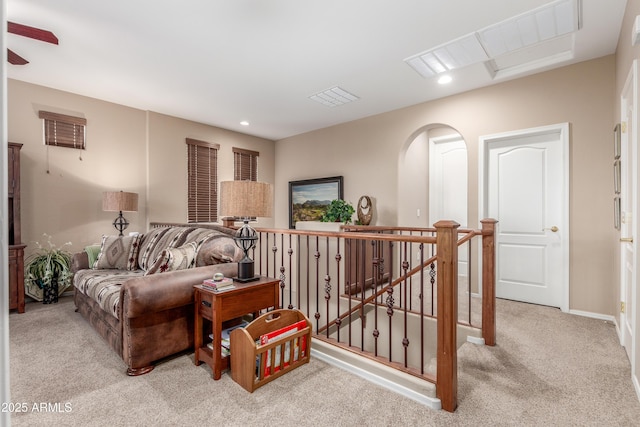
32,32
15,59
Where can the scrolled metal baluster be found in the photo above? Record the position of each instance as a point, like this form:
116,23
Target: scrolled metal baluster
274,251
283,278
376,334
389,301
327,287
405,344
432,280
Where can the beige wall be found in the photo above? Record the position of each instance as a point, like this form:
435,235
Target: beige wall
67,202
366,153
127,149
167,144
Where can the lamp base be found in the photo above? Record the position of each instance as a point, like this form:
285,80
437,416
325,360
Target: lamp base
250,279
245,271
120,223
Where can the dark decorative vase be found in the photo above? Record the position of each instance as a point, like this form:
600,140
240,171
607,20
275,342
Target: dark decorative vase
50,293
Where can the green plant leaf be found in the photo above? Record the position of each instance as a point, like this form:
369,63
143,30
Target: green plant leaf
338,211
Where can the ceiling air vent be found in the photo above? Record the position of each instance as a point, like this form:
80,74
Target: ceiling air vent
524,39
334,97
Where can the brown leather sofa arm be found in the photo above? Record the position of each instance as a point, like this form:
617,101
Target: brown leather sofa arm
79,261
163,291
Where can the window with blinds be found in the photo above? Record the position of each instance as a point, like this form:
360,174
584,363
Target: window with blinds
245,164
202,191
63,131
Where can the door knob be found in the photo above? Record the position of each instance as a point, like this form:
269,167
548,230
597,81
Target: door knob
626,239
554,229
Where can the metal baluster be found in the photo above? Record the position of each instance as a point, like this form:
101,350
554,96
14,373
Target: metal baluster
338,258
317,297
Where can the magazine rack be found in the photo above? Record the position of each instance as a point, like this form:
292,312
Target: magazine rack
249,358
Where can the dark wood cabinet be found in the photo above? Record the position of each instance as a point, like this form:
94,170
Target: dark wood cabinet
368,264
16,277
16,248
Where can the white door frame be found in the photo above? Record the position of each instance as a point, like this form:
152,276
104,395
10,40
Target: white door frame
629,148
436,186
483,208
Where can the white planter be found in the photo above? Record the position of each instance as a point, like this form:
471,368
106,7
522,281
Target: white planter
318,226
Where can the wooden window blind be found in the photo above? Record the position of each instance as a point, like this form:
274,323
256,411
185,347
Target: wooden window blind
202,191
63,131
245,164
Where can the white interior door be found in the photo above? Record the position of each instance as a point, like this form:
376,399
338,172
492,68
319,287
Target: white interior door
628,172
448,185
525,187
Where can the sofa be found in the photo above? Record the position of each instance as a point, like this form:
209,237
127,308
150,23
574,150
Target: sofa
137,291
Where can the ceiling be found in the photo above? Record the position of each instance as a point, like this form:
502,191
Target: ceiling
221,62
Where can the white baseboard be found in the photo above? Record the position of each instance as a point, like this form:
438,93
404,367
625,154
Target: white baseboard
396,381
594,315
475,340
636,385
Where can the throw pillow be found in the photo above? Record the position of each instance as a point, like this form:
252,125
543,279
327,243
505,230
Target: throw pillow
118,252
92,253
172,259
217,249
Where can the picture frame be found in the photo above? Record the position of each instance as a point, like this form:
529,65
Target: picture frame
309,198
616,176
616,141
616,212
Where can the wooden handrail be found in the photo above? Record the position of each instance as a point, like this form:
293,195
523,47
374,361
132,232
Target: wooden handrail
350,235
489,281
447,282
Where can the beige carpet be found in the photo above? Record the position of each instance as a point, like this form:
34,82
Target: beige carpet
549,368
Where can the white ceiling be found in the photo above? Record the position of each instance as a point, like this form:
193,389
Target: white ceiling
220,62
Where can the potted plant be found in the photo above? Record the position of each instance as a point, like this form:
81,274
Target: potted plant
49,269
338,211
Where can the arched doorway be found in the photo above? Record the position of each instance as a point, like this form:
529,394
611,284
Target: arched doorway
433,177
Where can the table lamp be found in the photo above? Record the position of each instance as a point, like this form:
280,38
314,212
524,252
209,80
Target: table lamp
246,199
120,201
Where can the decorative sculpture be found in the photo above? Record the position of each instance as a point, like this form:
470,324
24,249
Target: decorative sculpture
364,217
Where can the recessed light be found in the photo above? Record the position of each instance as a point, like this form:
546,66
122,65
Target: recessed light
445,79
244,123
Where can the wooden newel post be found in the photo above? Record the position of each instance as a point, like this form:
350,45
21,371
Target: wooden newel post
489,281
447,284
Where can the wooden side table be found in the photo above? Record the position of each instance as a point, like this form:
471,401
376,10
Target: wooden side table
213,308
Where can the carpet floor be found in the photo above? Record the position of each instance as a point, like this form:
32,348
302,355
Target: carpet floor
548,369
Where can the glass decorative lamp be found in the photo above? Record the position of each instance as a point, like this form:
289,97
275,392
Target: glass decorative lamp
120,201
246,200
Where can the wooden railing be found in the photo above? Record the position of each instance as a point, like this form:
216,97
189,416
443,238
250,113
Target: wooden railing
388,293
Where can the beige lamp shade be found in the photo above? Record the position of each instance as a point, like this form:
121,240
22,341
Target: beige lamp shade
246,199
119,201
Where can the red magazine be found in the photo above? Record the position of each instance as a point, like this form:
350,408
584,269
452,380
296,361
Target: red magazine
299,350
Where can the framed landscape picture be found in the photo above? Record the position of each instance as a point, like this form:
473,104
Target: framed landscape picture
309,198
